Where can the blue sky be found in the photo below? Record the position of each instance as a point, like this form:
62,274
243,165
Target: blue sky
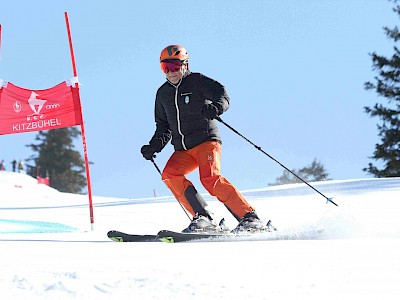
294,70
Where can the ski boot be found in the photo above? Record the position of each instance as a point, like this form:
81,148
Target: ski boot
202,224
251,223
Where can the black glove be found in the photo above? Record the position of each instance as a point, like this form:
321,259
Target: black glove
148,152
209,111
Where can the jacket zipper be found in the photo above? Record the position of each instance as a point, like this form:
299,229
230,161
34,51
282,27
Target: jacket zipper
178,117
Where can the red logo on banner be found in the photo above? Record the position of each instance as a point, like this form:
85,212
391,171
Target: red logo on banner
17,106
23,110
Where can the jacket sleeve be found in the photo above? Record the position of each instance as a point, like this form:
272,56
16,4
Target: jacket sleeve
162,135
215,92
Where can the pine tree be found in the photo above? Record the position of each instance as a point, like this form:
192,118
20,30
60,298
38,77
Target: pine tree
56,155
314,172
387,85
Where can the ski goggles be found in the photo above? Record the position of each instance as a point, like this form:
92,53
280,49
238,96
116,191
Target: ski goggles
170,65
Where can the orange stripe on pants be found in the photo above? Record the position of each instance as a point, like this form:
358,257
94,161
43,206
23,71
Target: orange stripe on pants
206,157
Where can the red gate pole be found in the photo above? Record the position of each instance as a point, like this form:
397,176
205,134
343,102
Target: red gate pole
82,127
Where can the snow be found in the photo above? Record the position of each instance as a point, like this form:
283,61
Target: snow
48,250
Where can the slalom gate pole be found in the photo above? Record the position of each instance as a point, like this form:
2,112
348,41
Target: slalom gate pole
259,148
159,171
82,127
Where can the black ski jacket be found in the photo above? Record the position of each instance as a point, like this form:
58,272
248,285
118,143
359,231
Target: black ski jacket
178,112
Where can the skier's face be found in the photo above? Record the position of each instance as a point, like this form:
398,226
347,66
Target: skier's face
175,77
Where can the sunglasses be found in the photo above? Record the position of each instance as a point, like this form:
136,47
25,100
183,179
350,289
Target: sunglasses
170,65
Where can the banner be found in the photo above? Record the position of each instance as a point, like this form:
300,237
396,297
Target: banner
41,180
23,110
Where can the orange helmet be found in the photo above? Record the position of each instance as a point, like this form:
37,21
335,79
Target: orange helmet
175,52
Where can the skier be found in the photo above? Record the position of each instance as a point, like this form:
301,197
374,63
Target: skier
186,106
14,165
20,166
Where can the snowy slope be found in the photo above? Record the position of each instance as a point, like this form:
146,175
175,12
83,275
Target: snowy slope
320,251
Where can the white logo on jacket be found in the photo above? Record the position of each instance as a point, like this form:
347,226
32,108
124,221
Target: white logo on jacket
187,98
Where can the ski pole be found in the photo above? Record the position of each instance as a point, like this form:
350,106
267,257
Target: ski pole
159,171
259,148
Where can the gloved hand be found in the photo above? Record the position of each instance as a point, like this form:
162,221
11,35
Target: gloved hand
209,111
148,152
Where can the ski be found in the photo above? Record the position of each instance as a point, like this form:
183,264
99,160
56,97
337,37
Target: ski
118,236
168,236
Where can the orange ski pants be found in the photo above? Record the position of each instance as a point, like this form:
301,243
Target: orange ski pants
206,157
